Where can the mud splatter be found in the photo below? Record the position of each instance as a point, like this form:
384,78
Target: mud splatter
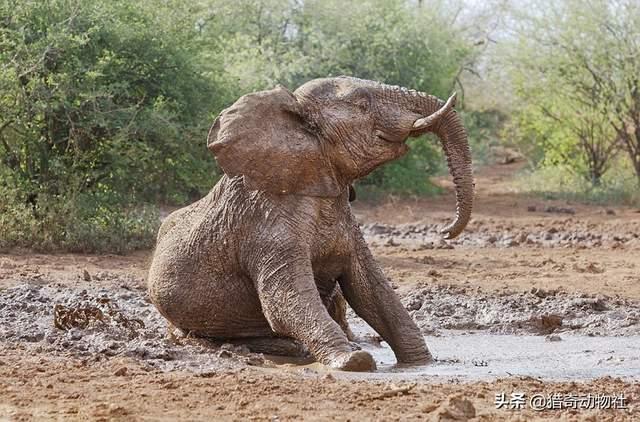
100,323
537,311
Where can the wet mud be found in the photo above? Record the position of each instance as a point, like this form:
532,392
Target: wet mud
94,323
485,232
537,311
110,322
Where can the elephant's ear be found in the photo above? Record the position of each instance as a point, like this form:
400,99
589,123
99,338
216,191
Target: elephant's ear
265,137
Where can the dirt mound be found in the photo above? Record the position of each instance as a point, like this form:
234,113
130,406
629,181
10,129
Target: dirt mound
455,408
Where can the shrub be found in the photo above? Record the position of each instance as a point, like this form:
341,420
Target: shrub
75,223
618,186
411,174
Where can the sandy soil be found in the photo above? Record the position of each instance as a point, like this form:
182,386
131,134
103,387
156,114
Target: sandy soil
556,269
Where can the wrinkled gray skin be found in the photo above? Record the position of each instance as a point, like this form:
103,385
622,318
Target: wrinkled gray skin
267,256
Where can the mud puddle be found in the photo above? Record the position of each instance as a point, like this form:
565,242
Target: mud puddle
479,356
473,335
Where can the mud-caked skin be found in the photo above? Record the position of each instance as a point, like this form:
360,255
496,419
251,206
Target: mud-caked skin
269,256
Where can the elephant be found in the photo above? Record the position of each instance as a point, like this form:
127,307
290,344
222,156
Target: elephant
270,255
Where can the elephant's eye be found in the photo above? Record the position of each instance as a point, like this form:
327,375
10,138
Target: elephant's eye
363,104
360,98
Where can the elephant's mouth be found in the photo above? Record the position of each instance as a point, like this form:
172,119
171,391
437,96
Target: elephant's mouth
390,138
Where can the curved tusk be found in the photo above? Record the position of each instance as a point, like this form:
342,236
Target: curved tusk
426,122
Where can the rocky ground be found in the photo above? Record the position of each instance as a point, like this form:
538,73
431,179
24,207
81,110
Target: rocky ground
79,339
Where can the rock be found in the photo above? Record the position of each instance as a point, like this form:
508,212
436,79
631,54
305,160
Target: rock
121,372
86,276
531,208
426,245
442,244
550,322
598,304
224,353
379,229
414,304
456,408
433,273
510,243
75,334
32,337
553,338
391,242
254,360
542,293
559,210
328,378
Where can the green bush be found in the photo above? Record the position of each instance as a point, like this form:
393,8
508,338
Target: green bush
102,109
105,105
410,175
96,92
80,223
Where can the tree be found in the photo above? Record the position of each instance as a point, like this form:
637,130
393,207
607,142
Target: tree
269,42
105,105
558,67
616,73
94,98
102,109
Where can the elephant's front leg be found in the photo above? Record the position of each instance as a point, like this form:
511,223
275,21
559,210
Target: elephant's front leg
292,305
371,296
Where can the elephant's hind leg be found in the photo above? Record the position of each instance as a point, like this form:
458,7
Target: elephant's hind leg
337,308
278,346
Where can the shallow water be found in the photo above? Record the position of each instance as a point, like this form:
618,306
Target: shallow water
482,356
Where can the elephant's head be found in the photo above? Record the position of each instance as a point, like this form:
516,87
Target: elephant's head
332,131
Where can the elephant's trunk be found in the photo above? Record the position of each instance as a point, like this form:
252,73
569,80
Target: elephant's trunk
455,143
453,137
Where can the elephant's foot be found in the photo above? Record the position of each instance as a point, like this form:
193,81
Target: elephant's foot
357,361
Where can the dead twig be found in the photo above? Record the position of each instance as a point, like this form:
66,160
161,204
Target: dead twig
393,392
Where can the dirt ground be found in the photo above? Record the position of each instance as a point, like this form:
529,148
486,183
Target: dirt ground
524,266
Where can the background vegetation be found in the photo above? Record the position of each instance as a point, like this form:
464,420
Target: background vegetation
104,106
575,71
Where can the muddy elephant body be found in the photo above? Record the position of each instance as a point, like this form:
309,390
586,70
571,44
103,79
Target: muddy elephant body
268,255
221,249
